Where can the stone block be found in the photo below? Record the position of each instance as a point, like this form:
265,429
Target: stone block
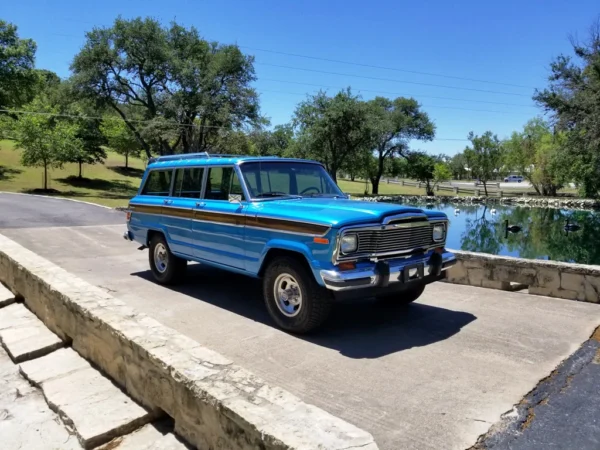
26,421
23,335
149,437
6,297
572,281
548,278
476,276
98,410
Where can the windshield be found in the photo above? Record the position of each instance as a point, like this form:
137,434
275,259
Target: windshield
288,179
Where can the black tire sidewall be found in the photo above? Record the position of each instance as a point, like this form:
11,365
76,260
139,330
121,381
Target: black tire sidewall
170,275
310,315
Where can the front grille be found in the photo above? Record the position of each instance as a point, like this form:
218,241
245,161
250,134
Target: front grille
391,240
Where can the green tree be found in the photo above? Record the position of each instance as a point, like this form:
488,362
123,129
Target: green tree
44,140
272,143
484,157
120,138
427,169
457,165
538,154
332,129
394,123
573,98
184,88
17,74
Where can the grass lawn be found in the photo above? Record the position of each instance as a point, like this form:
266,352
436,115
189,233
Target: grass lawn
358,188
111,185
107,184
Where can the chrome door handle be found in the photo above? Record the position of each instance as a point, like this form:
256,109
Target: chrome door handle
200,204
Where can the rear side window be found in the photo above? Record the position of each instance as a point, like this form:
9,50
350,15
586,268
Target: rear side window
158,182
188,182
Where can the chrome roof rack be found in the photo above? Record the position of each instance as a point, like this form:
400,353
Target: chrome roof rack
193,155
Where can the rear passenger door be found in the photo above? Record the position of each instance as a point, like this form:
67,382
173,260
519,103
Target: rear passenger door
178,211
218,226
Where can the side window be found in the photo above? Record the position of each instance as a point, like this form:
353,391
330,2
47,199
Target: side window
188,182
221,182
158,182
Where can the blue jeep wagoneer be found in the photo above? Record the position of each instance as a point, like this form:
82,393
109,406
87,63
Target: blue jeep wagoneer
285,221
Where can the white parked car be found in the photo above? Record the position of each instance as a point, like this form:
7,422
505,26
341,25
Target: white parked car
513,178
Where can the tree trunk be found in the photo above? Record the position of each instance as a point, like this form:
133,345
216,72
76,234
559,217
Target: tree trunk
375,184
80,176
485,188
127,160
352,177
45,176
428,189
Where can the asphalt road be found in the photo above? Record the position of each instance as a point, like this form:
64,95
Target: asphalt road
435,375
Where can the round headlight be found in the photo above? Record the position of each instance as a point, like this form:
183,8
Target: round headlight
439,231
349,243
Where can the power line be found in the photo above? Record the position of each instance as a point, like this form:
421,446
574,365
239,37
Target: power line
399,93
424,105
74,116
383,67
352,63
391,80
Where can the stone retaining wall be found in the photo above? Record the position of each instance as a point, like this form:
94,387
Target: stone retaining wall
549,278
214,403
561,203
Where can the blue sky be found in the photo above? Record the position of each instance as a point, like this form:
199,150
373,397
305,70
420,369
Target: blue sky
507,41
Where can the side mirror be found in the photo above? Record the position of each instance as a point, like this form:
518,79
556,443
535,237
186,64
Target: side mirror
235,198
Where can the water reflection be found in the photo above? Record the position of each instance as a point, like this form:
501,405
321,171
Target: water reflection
543,235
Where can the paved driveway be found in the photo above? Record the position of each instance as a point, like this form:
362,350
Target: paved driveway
435,375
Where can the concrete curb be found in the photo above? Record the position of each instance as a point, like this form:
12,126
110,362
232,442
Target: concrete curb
214,403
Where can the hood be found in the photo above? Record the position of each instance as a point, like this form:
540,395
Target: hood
333,212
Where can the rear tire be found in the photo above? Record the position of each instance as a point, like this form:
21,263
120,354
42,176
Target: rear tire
402,298
293,298
165,266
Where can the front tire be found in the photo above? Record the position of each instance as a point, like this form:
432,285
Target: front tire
402,298
293,298
165,266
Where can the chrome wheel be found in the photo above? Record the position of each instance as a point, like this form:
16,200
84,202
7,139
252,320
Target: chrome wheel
160,257
288,295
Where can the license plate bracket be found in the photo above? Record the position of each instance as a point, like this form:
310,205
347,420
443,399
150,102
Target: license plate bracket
412,272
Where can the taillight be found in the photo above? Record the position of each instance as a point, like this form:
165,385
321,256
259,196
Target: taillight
128,216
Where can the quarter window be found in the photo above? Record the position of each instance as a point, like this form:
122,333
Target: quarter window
188,182
158,183
221,182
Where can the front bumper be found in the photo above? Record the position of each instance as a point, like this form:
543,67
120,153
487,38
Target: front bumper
389,273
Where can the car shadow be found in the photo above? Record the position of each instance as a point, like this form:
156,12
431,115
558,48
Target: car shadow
361,329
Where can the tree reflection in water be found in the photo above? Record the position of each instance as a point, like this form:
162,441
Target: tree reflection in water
543,234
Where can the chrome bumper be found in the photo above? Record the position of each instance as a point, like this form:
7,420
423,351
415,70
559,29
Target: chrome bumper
385,273
127,236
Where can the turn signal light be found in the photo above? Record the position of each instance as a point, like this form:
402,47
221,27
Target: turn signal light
439,250
347,266
320,240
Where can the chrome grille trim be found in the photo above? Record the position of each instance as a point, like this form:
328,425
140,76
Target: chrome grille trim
391,239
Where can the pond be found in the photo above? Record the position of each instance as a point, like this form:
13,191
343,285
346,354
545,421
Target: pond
480,228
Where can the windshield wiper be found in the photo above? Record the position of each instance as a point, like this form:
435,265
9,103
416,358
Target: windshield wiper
326,195
272,194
